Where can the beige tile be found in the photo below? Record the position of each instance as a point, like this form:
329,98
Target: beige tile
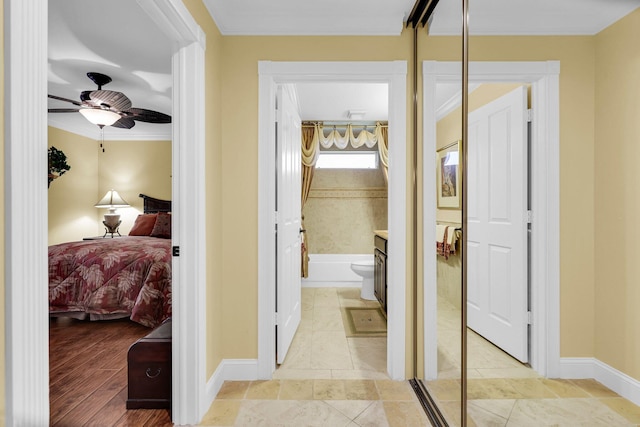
289,413
361,390
564,388
531,388
368,354
350,408
403,414
507,373
372,416
564,412
221,413
327,319
622,406
326,297
445,389
296,389
491,388
395,390
263,390
329,350
452,412
302,374
329,390
299,354
491,412
358,374
233,390
594,388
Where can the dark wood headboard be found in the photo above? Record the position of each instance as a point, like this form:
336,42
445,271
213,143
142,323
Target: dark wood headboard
153,205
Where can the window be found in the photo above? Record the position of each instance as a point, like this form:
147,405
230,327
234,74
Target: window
347,160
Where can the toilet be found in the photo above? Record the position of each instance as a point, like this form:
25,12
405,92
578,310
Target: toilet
365,270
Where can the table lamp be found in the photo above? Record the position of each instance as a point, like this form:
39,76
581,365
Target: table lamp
111,201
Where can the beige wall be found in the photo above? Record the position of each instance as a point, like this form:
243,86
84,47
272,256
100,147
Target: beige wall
71,197
240,159
218,330
129,167
239,118
132,168
617,197
343,209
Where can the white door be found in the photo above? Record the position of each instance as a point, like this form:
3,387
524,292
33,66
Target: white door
288,223
497,223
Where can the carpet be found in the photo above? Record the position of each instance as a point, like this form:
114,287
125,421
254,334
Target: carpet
364,322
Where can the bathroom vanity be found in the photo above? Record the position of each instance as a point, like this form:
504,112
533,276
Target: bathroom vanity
380,238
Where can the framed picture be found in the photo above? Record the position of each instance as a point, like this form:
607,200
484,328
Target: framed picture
448,168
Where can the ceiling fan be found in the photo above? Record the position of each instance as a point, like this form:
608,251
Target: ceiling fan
109,108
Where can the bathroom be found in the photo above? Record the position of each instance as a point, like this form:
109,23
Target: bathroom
342,207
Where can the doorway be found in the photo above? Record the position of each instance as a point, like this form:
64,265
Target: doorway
543,77
27,315
273,74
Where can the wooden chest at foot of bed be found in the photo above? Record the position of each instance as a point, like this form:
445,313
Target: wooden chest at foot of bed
149,370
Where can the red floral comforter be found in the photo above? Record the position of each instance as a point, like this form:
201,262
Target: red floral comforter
122,276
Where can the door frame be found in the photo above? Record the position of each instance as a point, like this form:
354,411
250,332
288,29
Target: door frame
271,74
545,201
26,339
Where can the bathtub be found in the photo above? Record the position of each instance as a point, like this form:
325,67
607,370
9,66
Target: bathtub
333,270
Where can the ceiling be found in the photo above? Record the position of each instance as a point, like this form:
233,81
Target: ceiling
385,17
118,39
115,38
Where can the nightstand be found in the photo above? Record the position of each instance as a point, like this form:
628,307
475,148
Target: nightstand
100,237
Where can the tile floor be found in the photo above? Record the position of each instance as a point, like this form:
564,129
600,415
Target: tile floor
328,379
504,392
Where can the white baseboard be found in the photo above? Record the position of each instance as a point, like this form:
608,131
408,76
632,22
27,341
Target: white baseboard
333,270
231,370
589,367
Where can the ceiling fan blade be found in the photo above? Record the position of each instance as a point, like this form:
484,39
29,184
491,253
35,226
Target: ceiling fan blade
59,98
116,101
124,123
63,110
148,116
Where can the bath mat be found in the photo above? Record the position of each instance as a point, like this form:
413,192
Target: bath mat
364,322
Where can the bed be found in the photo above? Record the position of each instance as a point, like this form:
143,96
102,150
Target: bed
109,278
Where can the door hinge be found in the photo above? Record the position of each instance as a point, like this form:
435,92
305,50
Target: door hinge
275,318
175,250
529,115
529,217
529,318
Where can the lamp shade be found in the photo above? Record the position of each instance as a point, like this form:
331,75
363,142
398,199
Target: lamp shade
100,117
112,200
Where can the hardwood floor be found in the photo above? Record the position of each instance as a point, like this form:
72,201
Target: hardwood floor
88,374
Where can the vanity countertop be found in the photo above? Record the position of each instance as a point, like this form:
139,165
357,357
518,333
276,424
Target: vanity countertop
382,233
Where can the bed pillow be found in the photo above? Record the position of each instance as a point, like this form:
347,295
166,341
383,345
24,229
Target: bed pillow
143,225
162,227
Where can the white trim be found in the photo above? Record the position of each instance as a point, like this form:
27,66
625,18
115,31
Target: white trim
27,304
272,74
27,367
545,254
188,220
230,370
454,102
111,134
589,367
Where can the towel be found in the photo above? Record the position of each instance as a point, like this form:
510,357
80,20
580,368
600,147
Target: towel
445,240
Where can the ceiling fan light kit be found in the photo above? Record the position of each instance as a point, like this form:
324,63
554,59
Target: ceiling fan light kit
99,116
108,107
